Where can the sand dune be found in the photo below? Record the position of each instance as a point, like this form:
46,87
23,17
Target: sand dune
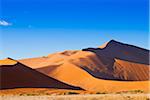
16,75
96,69
99,66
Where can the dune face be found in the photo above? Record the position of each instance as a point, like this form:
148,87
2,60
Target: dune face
98,69
16,75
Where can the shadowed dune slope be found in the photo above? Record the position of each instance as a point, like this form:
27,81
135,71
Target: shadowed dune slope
16,75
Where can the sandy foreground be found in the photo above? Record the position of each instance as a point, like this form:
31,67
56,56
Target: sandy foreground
82,97
63,94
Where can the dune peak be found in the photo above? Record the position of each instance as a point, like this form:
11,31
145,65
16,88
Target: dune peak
114,42
108,43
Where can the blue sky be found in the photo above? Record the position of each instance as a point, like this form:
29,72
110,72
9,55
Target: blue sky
31,28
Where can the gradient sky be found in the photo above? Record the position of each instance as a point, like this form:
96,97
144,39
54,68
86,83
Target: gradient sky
31,28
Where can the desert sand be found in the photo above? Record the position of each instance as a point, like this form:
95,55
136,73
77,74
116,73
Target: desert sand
81,97
62,94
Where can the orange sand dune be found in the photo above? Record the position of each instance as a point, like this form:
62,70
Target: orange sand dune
88,68
17,75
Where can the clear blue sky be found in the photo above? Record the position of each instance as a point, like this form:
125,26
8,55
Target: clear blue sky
31,28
